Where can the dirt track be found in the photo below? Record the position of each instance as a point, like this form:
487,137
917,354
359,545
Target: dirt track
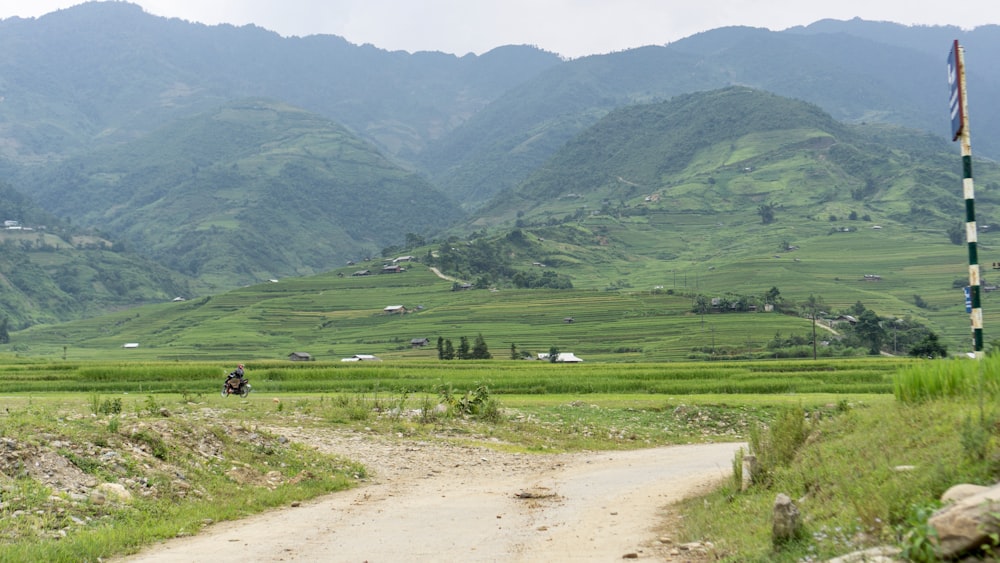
438,502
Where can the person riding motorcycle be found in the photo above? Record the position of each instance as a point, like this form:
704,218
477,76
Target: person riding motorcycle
236,383
238,372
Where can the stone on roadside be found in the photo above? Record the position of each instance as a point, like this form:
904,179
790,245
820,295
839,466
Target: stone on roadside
787,521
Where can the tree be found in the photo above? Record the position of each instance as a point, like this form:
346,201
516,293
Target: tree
414,240
869,329
4,335
858,308
463,349
449,350
956,233
440,348
929,347
772,296
766,212
513,351
479,349
553,354
701,305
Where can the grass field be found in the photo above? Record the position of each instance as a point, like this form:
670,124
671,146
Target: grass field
791,377
333,315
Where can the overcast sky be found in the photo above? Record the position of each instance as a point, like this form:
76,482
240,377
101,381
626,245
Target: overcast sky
572,28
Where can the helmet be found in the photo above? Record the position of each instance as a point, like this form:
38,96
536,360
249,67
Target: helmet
241,365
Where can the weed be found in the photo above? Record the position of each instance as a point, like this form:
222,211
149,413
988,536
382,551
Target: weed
916,537
188,397
975,438
104,406
152,407
111,406
776,445
428,410
154,441
476,403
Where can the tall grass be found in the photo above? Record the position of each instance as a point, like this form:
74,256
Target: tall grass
947,379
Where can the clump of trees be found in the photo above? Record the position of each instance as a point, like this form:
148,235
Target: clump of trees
865,333
492,261
478,351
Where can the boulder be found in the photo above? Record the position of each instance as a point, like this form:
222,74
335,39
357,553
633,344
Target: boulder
959,492
967,523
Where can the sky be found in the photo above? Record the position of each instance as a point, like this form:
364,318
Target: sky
571,28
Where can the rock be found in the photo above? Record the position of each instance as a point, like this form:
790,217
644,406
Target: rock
967,523
164,412
114,491
98,498
787,523
959,492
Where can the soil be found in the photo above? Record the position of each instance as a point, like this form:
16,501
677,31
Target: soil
431,501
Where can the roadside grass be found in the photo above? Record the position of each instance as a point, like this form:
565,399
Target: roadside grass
866,476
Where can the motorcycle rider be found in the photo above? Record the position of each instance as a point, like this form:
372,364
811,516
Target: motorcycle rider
238,372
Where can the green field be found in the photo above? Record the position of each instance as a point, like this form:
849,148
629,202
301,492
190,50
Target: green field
332,316
792,377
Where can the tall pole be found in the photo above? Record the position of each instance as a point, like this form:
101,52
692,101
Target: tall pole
960,132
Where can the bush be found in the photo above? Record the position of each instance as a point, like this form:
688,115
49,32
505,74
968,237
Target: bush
775,447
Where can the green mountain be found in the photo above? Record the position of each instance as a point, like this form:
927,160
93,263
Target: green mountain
231,155
737,191
51,271
854,78
656,231
254,190
105,72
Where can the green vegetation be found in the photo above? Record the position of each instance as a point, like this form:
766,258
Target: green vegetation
850,376
808,424
857,487
172,472
251,191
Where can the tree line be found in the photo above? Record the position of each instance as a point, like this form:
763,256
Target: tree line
478,351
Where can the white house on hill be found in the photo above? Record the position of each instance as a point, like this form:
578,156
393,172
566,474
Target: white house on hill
563,357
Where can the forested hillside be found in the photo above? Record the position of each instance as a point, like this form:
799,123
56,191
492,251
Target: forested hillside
51,271
252,191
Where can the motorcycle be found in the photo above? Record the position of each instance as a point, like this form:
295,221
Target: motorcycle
236,386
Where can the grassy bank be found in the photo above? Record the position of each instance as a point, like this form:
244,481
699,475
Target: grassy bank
867,476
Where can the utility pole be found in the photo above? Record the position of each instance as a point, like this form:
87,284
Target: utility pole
959,108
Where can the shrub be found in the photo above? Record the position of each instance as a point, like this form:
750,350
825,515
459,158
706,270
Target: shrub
776,446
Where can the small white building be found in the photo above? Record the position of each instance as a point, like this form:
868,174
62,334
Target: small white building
130,345
563,357
362,358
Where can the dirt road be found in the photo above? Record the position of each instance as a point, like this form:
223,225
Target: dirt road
438,502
